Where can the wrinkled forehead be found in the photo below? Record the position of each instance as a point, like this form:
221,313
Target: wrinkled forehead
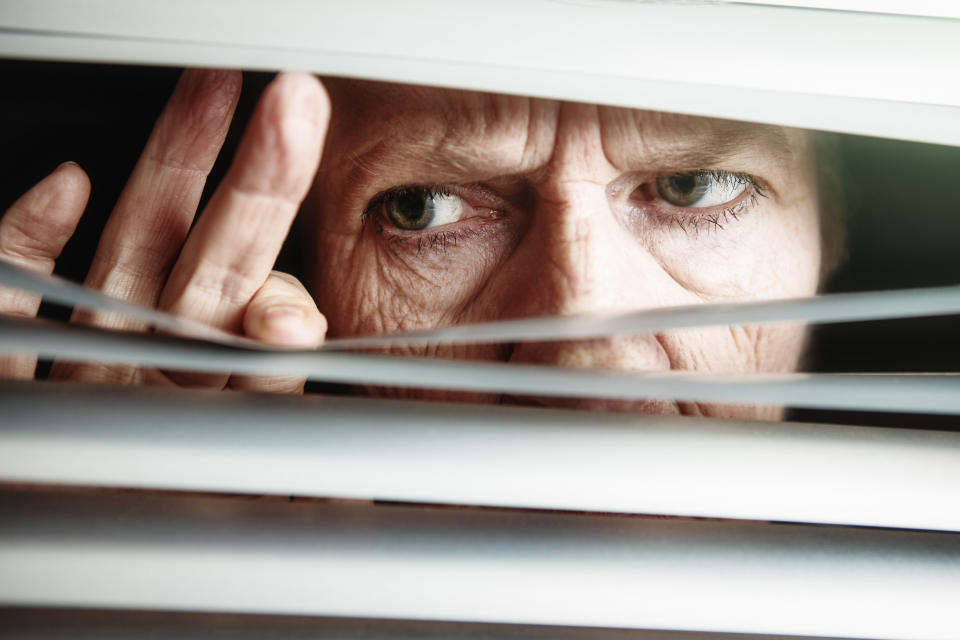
497,133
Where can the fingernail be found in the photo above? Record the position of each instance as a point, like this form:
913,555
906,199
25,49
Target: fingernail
68,163
283,313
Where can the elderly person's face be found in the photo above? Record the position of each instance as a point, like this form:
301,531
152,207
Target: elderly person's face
437,207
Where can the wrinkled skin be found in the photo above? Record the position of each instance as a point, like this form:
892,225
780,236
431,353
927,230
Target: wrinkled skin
561,220
560,213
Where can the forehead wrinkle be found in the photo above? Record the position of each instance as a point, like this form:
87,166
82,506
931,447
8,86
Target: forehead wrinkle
423,134
466,136
655,140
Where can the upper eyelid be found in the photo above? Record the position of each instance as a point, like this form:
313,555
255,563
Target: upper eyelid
467,191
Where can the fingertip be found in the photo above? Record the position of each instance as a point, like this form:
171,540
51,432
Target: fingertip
55,203
73,179
303,96
281,149
69,193
36,227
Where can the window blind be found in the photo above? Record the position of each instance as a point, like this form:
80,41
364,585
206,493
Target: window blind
870,74
490,521
158,552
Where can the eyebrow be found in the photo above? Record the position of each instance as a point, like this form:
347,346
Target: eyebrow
691,142
680,143
451,162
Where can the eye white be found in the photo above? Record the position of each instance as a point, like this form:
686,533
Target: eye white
720,191
418,209
444,209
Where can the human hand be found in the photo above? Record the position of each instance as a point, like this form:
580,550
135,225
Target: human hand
219,272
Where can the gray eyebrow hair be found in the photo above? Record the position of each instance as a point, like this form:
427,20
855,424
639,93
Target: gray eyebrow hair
690,142
709,143
438,162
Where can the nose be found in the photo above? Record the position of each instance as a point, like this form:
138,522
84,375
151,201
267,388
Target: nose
578,261
579,256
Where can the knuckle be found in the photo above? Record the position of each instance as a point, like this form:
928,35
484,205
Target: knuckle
230,284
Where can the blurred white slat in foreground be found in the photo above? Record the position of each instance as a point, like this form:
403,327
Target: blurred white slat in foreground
243,555
917,393
363,448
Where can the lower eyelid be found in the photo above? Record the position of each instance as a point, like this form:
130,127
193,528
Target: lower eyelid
712,218
491,229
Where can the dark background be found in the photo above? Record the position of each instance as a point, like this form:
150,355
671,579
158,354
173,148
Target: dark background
902,213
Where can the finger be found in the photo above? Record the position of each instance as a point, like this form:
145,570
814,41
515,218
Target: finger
236,240
282,313
153,215
148,226
33,232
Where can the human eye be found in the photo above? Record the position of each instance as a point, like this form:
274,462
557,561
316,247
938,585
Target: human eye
423,211
419,208
701,199
703,189
413,209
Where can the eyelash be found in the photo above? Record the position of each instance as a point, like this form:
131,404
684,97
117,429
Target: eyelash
715,219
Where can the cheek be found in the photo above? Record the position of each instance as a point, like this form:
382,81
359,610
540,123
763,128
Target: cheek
735,350
374,284
769,254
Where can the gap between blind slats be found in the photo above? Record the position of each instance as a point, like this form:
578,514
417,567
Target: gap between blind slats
919,393
868,74
97,624
64,433
242,555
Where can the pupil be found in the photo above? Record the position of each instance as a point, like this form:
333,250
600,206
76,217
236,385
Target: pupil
684,183
683,189
413,210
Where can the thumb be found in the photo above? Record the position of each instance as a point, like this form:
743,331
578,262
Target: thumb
282,313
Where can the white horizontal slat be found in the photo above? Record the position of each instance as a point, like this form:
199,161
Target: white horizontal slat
79,624
362,448
61,291
869,74
931,8
837,307
242,555
923,393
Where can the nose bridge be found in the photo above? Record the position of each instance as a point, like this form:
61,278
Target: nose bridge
579,258
578,155
579,269
575,231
